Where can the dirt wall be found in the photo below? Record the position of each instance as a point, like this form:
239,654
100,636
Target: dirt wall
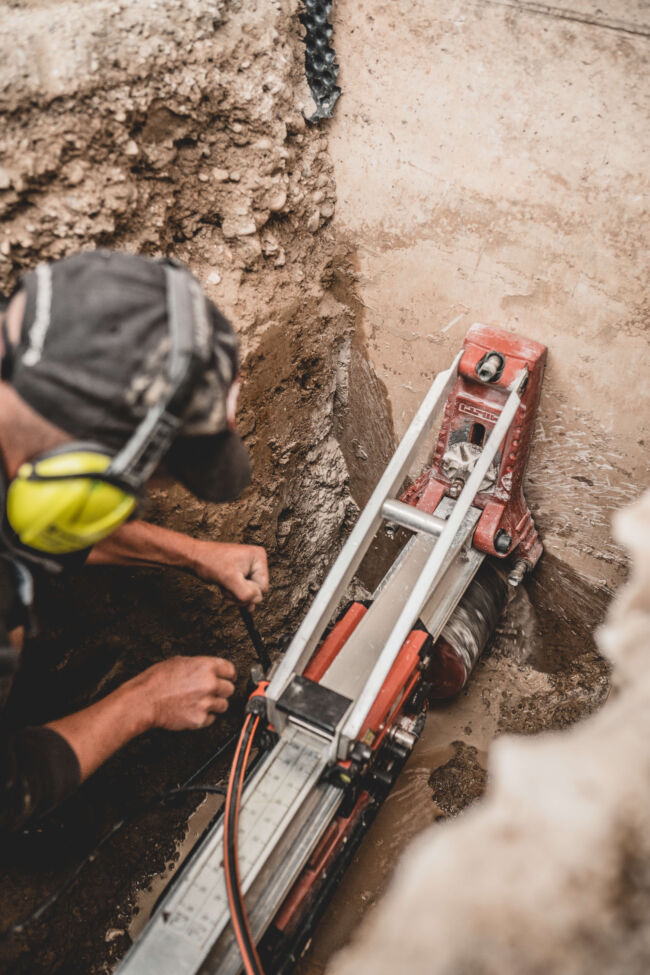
176,128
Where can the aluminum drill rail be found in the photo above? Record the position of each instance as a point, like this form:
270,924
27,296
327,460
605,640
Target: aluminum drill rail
432,571
356,546
285,810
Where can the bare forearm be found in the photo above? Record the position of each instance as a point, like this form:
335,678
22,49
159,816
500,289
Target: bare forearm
140,543
100,730
240,570
178,694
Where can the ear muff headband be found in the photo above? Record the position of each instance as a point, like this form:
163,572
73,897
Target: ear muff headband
55,505
189,346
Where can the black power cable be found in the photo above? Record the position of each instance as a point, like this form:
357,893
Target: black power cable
256,639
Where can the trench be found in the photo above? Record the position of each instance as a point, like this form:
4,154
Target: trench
341,331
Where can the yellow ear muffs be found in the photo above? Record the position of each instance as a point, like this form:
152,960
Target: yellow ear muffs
54,512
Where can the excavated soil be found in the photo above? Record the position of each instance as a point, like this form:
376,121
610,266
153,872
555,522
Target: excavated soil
186,136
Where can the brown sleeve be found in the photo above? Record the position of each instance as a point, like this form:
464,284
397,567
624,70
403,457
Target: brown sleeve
38,769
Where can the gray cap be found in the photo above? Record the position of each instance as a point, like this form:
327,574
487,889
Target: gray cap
92,358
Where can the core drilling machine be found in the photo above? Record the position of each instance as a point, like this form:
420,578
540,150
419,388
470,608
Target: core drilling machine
334,721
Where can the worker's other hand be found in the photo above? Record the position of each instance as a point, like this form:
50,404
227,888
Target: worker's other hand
240,570
186,692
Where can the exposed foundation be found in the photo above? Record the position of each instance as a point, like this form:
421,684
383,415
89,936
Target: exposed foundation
485,164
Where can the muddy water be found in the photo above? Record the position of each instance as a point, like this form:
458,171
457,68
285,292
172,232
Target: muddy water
540,671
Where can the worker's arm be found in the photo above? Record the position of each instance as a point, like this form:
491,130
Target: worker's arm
41,766
241,570
177,694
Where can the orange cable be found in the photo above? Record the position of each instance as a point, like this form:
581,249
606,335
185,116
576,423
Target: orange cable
229,879
241,784
229,890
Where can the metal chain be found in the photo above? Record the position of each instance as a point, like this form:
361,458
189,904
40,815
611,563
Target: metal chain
321,68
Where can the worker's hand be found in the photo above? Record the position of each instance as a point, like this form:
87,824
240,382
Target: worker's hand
240,570
186,692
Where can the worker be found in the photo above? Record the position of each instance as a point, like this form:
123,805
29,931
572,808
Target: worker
116,370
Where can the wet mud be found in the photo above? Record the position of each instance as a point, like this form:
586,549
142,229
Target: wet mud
460,781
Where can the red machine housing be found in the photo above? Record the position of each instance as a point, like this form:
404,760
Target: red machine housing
472,409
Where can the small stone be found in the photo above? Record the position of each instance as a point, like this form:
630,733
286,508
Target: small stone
327,210
318,196
246,229
5,179
203,177
120,115
265,144
235,176
113,933
75,204
270,245
314,222
295,123
5,248
281,259
214,277
131,148
276,200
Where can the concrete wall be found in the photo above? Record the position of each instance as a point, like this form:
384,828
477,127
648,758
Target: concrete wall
491,165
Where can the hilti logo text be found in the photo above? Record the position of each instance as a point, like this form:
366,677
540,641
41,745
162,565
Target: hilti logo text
476,411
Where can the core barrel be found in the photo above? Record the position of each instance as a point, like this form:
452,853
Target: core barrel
467,631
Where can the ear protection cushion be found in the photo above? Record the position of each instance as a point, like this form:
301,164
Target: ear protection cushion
55,505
